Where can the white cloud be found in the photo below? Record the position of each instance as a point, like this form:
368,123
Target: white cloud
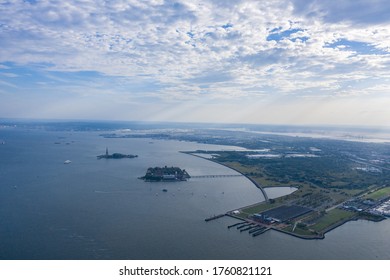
9,75
204,50
361,12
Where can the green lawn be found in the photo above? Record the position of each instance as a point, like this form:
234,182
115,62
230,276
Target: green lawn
381,193
330,218
299,231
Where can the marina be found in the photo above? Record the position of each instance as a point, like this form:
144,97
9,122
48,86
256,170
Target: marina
246,228
234,225
252,228
260,231
243,225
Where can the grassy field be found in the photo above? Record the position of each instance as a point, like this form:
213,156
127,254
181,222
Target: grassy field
331,218
299,231
308,194
381,193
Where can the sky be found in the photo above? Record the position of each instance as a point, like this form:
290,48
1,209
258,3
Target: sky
231,61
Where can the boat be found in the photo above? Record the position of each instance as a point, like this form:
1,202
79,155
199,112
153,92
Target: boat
164,190
67,161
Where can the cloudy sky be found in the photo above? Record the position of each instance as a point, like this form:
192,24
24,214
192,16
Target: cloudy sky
269,62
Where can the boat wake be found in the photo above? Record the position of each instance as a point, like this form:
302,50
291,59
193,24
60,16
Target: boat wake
106,192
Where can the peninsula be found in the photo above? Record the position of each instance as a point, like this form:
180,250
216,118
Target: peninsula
155,174
314,208
115,155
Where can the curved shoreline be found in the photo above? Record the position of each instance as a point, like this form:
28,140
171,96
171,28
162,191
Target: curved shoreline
320,235
250,179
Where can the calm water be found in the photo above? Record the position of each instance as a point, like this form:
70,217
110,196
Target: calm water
98,209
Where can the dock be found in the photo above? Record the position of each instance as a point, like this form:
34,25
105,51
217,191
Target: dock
254,229
237,224
261,231
243,225
214,217
247,228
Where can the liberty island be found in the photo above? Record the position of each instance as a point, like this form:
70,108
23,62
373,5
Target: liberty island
115,155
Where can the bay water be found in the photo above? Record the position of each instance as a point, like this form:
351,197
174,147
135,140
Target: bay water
99,209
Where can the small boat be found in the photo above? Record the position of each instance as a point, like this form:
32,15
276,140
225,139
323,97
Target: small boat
67,161
164,190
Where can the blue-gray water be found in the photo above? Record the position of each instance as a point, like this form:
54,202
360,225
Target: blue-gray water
98,209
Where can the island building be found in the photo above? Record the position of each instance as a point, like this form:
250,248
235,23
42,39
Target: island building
165,174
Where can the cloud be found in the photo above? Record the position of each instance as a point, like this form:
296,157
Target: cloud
361,12
9,75
197,50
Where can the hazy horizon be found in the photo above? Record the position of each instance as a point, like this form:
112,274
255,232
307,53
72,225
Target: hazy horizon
285,62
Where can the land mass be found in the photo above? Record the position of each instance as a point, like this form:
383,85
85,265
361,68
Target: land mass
115,155
312,209
155,174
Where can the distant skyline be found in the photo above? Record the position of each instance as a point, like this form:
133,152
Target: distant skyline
293,62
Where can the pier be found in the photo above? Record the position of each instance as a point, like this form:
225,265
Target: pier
214,217
253,229
243,225
217,176
237,224
247,228
261,231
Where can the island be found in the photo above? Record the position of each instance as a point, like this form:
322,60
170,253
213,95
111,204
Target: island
115,155
155,174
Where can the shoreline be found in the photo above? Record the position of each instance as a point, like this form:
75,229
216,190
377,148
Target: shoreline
319,235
